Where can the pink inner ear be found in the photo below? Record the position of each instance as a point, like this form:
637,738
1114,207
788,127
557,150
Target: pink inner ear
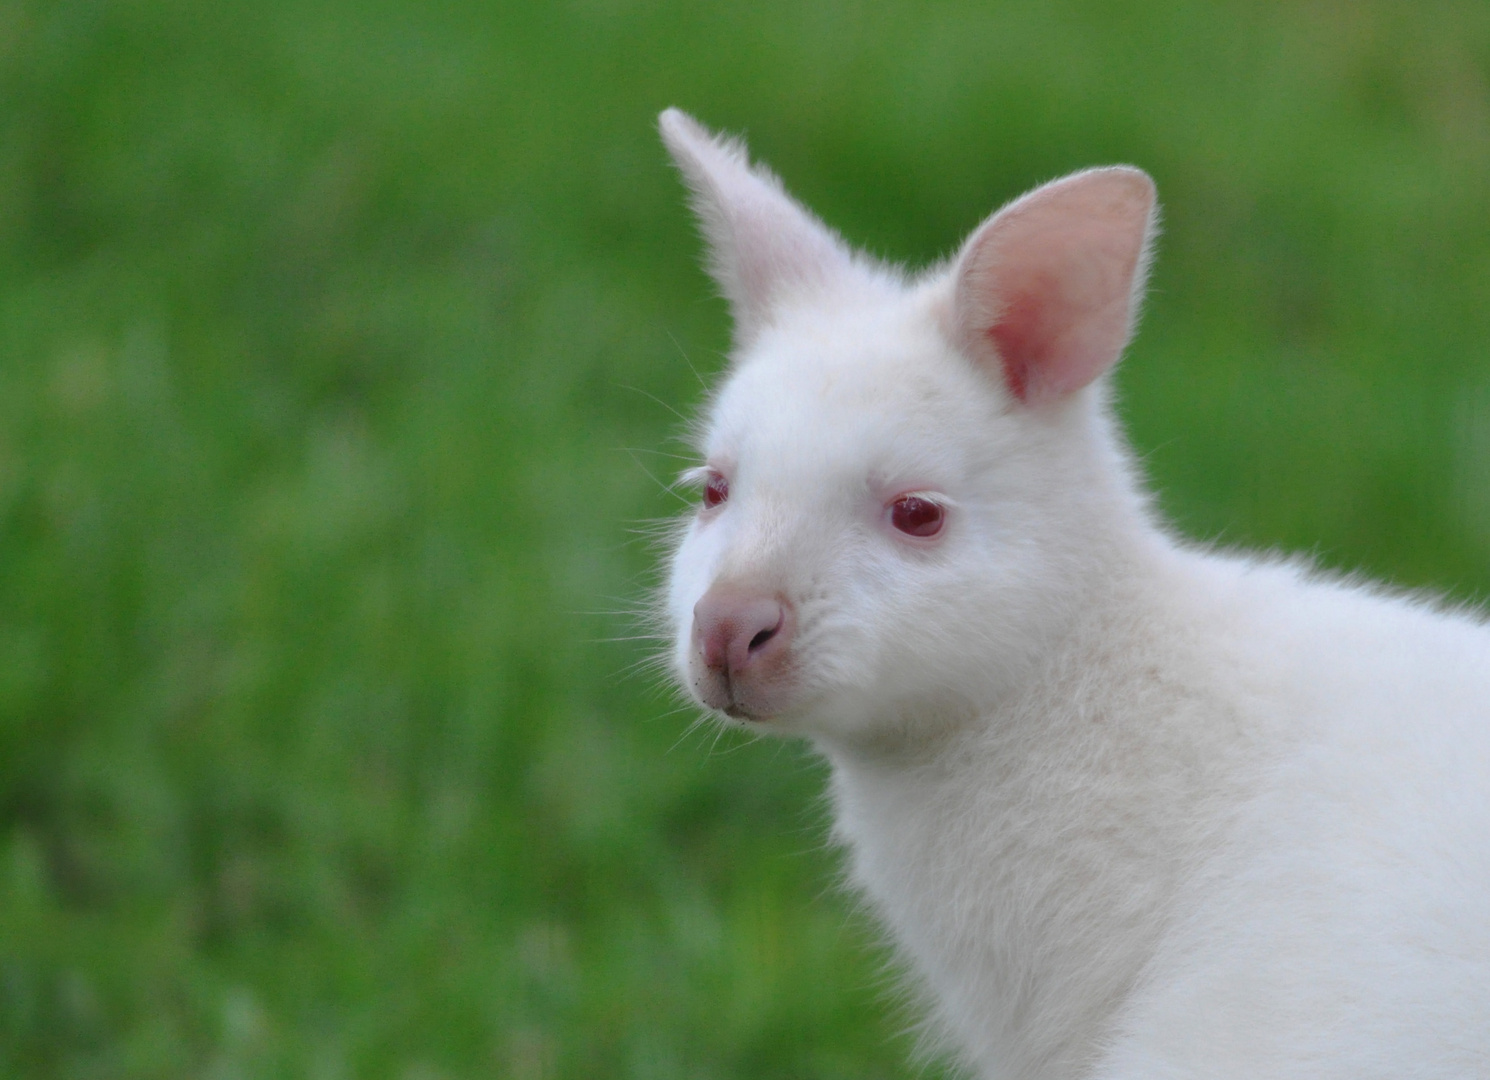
1046,286
1018,340
1062,326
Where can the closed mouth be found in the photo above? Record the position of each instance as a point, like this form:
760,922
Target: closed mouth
734,710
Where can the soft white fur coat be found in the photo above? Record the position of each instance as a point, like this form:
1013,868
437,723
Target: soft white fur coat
1129,808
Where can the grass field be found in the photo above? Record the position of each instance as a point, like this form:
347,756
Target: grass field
339,349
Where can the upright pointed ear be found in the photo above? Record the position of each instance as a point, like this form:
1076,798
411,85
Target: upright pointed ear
1047,290
762,244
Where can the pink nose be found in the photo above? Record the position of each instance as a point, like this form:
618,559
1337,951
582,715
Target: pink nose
737,631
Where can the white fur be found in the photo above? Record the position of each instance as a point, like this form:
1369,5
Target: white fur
1129,808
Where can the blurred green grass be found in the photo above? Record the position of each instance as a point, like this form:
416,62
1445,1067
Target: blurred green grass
334,342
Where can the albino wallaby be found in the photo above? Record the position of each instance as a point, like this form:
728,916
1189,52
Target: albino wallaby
1130,808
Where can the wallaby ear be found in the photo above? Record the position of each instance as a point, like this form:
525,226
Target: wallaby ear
762,243
1047,290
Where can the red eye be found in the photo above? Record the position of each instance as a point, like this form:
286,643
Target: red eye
916,516
715,491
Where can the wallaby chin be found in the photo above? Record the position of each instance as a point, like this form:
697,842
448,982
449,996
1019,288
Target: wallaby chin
1129,809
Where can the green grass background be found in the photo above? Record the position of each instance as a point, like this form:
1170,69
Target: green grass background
339,343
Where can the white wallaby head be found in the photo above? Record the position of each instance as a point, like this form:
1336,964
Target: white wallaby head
906,481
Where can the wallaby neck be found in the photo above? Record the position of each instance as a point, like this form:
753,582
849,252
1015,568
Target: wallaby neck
1028,856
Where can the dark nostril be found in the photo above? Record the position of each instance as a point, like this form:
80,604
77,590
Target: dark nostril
761,638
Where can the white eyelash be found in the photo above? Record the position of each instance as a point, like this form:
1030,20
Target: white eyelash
944,501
